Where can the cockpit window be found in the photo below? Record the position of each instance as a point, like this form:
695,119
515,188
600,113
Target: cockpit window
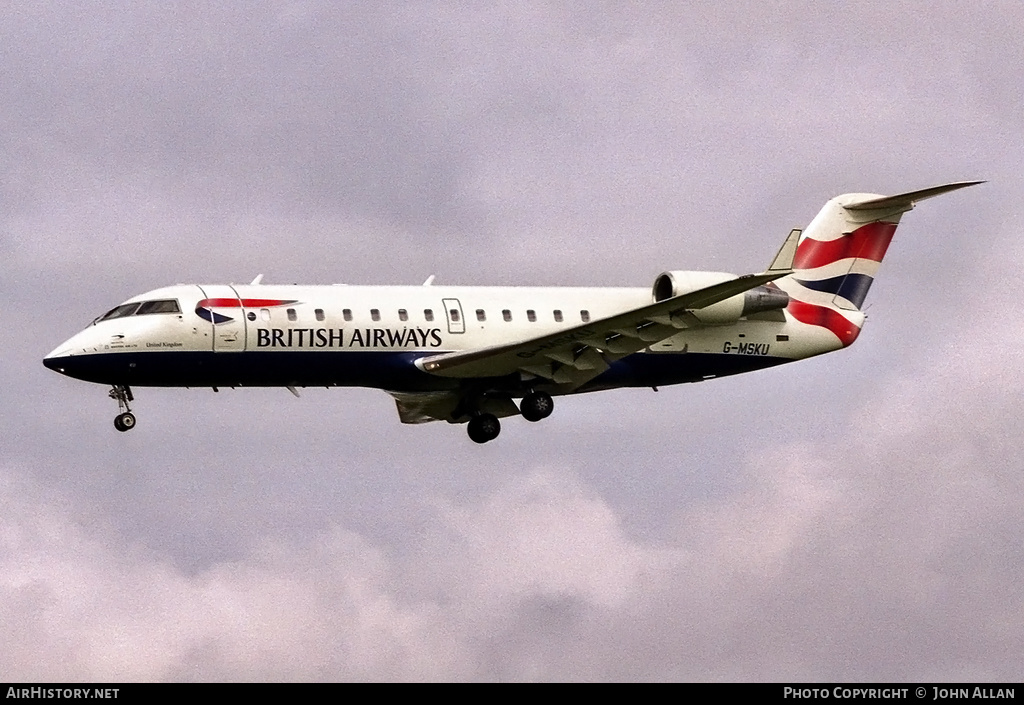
140,309
119,312
165,306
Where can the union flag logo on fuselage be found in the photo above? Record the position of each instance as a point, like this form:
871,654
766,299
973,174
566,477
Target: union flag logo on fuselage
204,309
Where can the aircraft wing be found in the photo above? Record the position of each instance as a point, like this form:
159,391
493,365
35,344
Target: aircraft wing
576,355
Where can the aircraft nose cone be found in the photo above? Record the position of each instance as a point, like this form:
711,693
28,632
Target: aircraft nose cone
57,360
76,366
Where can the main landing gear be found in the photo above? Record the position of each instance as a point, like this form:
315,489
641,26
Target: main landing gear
536,406
484,427
124,421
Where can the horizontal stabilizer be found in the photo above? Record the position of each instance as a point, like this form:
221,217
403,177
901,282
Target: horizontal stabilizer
906,201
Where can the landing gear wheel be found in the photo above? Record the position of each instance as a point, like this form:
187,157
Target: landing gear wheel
124,421
536,406
483,428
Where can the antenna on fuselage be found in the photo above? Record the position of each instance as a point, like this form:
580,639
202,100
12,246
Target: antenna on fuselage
257,280
429,281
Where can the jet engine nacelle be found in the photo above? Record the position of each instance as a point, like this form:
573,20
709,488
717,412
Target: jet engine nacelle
757,300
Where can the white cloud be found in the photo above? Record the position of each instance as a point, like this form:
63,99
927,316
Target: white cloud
819,567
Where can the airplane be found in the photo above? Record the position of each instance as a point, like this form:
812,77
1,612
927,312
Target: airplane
465,354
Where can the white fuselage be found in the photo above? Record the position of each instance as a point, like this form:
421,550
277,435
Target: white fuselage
271,335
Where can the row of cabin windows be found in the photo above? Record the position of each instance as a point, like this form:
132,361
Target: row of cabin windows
531,315
428,315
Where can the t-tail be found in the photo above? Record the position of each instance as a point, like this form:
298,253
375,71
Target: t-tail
838,256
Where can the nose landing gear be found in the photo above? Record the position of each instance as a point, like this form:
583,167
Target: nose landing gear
124,421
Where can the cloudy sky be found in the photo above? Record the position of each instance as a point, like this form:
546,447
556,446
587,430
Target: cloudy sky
857,516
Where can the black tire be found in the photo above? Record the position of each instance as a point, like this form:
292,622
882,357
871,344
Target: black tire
536,406
124,422
483,428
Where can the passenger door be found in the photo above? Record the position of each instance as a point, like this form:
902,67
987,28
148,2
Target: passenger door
222,307
453,312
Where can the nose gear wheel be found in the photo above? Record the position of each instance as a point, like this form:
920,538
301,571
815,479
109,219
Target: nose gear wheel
125,420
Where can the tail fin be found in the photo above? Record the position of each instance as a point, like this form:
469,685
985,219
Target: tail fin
839,253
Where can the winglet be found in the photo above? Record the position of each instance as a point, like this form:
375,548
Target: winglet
783,261
906,201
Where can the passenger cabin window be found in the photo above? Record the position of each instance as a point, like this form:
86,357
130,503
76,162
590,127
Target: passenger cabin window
507,315
585,316
375,314
480,315
347,314
403,315
166,306
531,315
319,314
454,313
428,314
291,315
558,316
265,314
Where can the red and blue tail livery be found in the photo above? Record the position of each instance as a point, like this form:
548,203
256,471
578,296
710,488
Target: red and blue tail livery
839,254
475,355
